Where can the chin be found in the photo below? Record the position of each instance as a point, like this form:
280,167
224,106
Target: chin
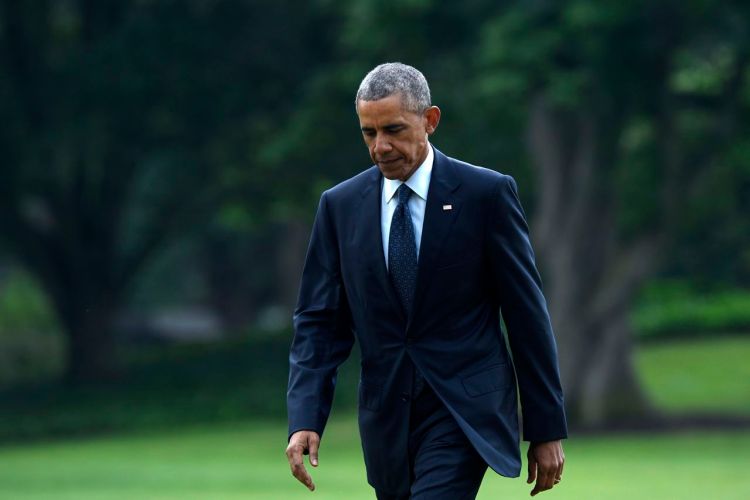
391,175
400,172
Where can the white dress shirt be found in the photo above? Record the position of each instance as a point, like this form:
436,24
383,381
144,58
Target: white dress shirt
419,182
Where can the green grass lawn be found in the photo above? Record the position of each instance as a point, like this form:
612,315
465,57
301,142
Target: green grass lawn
247,462
698,375
226,461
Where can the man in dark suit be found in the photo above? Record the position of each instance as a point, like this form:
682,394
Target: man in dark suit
417,256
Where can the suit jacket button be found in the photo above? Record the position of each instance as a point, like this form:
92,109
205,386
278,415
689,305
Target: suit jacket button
405,397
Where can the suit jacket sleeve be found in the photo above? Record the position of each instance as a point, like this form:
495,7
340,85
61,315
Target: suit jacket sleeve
526,318
323,336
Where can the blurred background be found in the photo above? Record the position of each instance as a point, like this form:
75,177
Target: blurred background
160,165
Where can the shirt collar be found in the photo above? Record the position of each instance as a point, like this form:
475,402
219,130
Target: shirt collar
419,181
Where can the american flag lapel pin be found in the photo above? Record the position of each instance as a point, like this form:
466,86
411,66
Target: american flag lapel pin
447,207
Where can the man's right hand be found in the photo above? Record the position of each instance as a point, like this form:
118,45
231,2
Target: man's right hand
300,443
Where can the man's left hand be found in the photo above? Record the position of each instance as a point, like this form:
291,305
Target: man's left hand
546,462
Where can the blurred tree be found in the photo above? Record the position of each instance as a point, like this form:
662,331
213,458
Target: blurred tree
634,110
625,124
122,123
93,182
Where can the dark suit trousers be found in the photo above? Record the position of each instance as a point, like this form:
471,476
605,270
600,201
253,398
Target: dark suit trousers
443,463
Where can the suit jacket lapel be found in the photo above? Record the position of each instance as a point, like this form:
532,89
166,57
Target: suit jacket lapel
372,239
441,211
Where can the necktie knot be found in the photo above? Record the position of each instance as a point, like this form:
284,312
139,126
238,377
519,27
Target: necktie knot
404,193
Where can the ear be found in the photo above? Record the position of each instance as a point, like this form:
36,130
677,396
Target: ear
432,117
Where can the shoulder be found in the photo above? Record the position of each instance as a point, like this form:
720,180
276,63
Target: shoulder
481,180
353,188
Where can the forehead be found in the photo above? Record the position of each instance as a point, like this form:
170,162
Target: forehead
383,111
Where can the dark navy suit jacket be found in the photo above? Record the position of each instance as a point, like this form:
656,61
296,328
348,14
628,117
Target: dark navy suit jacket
475,260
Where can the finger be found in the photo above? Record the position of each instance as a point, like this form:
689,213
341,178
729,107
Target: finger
558,475
550,476
314,444
537,489
297,466
538,485
562,466
553,476
299,471
549,482
532,469
543,481
557,468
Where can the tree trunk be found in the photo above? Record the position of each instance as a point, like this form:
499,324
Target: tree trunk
599,379
91,348
89,328
591,276
231,283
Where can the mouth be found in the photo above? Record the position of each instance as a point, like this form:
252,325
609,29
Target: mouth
388,162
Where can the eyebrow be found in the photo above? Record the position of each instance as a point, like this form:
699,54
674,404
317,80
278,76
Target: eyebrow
390,127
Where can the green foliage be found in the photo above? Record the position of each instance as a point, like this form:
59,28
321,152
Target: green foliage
31,346
676,309
703,73
162,387
23,305
129,125
713,233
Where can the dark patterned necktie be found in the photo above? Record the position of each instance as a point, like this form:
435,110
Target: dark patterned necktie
402,250
402,262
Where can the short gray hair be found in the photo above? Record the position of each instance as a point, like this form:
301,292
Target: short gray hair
396,78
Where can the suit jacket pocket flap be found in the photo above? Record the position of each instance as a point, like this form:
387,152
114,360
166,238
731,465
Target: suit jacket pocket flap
490,380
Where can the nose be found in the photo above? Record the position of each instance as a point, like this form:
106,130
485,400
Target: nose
382,145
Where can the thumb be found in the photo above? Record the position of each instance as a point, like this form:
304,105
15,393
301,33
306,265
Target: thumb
314,444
